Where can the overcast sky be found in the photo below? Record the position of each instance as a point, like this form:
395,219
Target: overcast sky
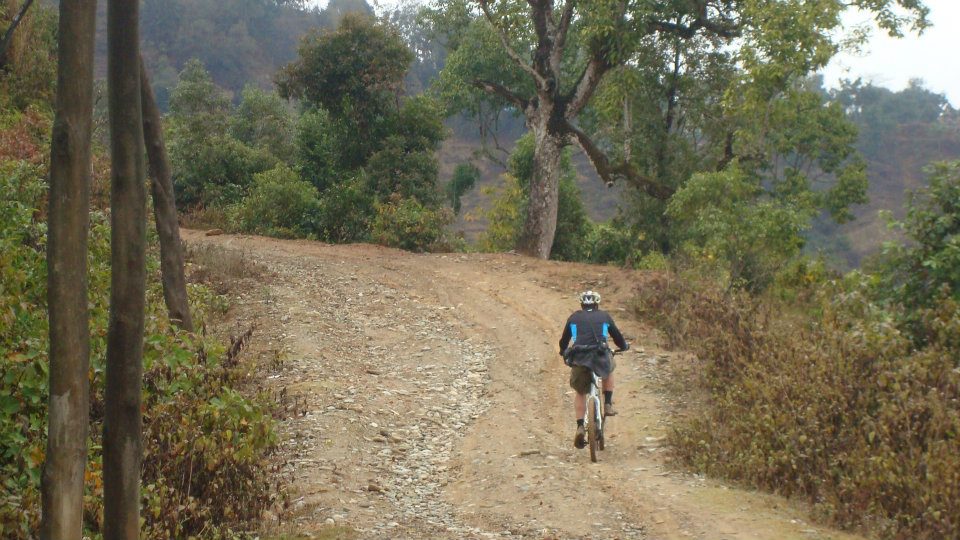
886,61
891,62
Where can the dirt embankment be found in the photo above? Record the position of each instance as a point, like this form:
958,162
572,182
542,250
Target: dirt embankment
435,404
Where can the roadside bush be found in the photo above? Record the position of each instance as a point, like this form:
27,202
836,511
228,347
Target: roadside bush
841,409
916,275
318,149
23,330
279,204
611,243
395,169
346,211
216,172
409,225
505,217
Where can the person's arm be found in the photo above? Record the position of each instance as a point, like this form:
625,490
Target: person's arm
565,338
617,336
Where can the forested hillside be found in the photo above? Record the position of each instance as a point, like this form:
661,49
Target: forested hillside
900,134
241,42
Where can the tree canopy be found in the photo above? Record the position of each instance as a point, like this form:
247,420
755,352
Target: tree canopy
653,92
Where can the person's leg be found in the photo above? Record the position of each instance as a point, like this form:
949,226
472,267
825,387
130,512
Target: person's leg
580,385
580,405
608,396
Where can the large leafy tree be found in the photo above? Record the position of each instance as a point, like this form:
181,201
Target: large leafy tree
361,142
723,65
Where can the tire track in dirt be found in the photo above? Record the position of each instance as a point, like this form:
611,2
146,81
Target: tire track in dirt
437,406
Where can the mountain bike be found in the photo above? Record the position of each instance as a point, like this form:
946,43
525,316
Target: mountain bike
595,415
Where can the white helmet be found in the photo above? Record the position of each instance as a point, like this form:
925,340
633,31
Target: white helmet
589,298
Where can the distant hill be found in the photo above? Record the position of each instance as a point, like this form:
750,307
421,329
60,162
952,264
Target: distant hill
900,134
239,41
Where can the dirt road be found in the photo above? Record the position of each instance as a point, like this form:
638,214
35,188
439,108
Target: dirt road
436,405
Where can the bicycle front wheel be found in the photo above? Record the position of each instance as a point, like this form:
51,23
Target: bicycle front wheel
593,414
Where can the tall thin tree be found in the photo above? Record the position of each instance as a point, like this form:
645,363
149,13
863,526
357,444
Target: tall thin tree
8,35
164,209
122,444
63,470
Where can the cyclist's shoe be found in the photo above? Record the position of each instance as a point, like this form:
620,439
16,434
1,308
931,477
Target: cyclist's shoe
581,438
608,410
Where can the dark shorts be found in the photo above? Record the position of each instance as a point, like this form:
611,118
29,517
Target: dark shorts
581,377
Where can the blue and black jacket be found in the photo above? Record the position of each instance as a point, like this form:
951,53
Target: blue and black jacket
590,328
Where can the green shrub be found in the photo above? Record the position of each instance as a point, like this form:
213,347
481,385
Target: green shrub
279,204
465,176
409,225
505,217
725,221
23,353
346,211
395,169
204,443
264,120
318,149
918,274
840,409
611,243
215,172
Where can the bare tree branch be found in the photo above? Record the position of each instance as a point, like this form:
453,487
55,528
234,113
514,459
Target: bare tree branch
566,17
498,89
589,79
722,27
611,173
541,83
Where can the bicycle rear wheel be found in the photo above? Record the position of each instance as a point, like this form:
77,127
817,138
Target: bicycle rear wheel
593,414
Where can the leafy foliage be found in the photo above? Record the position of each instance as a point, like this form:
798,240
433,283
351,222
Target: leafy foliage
724,219
672,90
210,167
465,176
841,391
279,204
29,73
924,272
352,71
406,224
263,121
204,441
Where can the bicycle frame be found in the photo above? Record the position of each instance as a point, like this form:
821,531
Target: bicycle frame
594,395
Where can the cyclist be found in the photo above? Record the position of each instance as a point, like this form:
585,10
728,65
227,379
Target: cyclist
588,330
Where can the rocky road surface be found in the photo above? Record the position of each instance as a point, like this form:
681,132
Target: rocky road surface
433,404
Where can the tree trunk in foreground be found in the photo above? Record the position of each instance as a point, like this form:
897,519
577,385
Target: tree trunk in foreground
69,417
122,445
164,210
